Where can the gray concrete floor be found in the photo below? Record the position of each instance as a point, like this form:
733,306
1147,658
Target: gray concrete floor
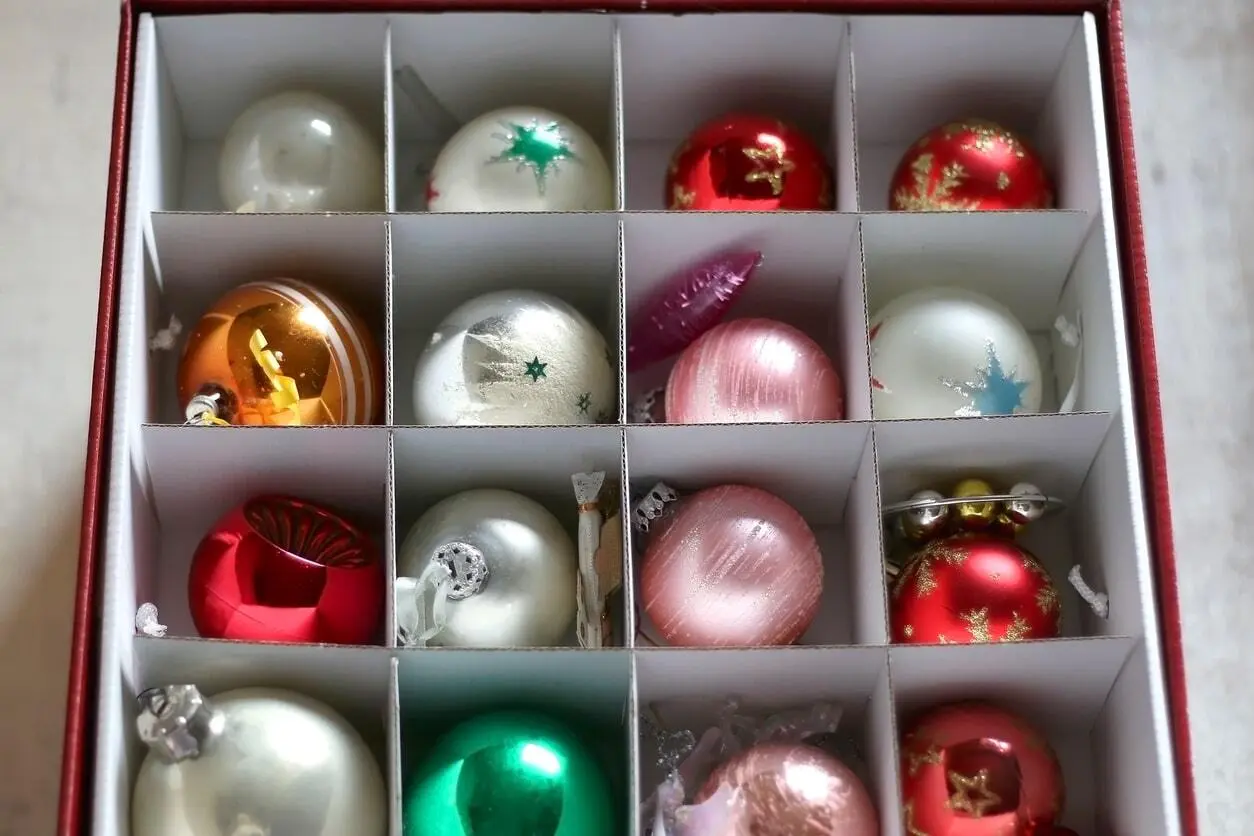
1192,68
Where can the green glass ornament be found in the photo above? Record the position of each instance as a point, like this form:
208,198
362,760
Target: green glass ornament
509,773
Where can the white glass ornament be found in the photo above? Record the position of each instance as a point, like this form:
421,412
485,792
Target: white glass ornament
515,357
520,159
486,568
944,351
249,762
300,152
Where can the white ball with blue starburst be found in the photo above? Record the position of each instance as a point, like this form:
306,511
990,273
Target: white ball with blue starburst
520,159
947,352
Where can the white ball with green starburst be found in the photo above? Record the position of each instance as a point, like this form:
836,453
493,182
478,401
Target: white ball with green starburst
520,159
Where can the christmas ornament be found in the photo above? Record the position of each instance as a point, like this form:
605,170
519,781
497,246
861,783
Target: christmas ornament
689,303
280,352
789,789
486,568
748,162
971,769
515,357
252,761
970,581
520,159
943,351
509,773
733,565
753,370
970,164
300,152
283,569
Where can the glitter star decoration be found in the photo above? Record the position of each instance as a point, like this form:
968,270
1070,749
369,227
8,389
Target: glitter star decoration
535,369
993,391
539,147
585,401
971,794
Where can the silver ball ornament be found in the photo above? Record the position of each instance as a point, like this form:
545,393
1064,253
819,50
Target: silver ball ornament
515,357
1023,511
508,570
927,521
252,761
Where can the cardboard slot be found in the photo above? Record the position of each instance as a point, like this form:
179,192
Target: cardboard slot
588,691
821,470
1060,454
1028,73
682,690
1024,260
443,260
202,256
200,473
433,464
810,278
679,72
1060,688
208,69
560,62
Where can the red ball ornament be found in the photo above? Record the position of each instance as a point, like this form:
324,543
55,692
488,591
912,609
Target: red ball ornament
970,164
751,371
732,566
286,570
790,789
748,162
971,588
972,769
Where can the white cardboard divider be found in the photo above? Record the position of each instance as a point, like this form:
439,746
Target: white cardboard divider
474,63
202,256
1059,687
810,278
814,468
916,73
200,473
443,260
396,787
215,66
681,689
679,72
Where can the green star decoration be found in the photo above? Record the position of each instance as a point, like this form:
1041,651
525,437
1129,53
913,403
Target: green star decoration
535,146
585,401
535,370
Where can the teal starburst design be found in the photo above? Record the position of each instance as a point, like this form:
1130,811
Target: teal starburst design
535,370
993,392
539,147
585,401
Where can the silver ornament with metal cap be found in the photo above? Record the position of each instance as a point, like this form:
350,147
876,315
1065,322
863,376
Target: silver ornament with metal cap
252,761
486,568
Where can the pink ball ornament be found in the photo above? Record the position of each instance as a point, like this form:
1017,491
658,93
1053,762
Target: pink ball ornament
732,566
753,370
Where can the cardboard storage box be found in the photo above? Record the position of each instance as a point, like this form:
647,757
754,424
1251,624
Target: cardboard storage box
865,77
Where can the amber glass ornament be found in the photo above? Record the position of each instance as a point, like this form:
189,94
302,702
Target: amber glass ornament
280,352
968,580
968,165
751,163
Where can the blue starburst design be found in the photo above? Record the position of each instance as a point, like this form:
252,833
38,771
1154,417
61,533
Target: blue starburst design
993,392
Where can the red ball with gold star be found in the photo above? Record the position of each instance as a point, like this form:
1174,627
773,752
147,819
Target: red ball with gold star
974,769
972,164
750,163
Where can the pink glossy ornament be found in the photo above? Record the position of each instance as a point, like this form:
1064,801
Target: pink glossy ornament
732,566
790,789
753,370
689,303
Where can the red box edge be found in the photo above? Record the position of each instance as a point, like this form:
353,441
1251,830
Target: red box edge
74,801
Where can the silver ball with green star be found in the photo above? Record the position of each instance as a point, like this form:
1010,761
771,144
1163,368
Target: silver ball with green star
520,159
516,357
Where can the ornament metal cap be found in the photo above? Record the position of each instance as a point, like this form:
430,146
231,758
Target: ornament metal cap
206,408
177,723
466,566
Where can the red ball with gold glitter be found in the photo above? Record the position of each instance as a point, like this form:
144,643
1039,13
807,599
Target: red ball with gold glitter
973,769
750,163
971,164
